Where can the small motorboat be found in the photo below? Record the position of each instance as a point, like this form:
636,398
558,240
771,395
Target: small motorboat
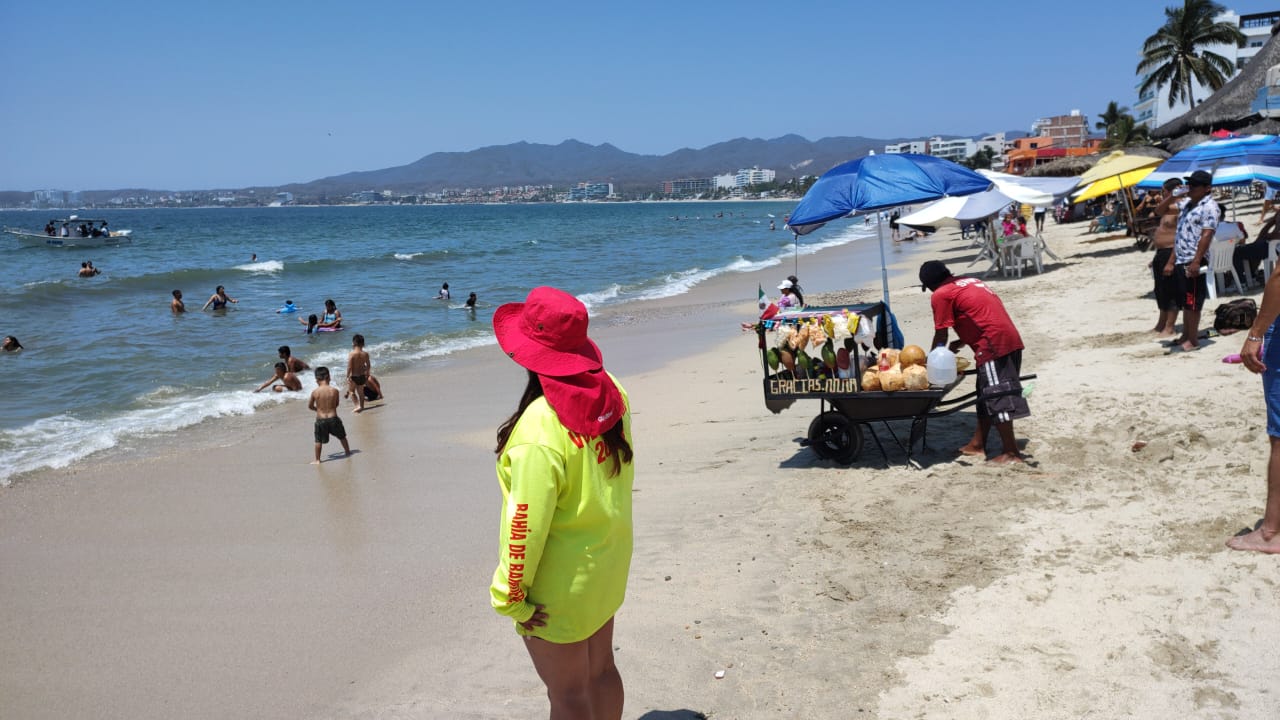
73,231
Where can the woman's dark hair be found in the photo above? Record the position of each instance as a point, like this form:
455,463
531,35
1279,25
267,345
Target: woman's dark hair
614,438
218,290
795,288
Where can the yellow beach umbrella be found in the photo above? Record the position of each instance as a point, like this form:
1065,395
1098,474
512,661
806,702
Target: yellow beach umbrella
1117,163
1108,185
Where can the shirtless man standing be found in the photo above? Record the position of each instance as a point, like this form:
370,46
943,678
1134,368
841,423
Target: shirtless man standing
324,400
176,306
1161,268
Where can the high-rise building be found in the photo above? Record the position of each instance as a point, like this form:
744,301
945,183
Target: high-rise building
1065,131
1152,108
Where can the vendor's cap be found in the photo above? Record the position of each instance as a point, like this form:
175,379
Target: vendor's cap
1199,177
932,274
547,333
785,285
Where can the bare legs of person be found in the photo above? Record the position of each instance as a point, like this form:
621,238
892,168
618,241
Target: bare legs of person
1008,443
1166,323
1190,329
1267,537
582,680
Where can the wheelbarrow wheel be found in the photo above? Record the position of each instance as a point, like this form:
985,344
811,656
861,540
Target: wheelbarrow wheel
835,437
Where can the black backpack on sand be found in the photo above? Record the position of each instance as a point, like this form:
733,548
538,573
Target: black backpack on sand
1236,315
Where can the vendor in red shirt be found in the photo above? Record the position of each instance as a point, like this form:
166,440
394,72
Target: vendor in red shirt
981,322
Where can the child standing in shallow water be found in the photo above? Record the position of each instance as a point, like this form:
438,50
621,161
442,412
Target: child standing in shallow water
358,370
324,400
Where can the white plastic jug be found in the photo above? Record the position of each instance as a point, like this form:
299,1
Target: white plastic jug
941,366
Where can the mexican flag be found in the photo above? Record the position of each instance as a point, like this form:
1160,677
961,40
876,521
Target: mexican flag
763,299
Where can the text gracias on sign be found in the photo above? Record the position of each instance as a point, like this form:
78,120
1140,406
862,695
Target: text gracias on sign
812,385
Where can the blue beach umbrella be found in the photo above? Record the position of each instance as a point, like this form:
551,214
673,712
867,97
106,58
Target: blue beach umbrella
880,182
1232,161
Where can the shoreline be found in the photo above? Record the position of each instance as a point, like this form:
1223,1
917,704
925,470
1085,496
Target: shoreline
229,578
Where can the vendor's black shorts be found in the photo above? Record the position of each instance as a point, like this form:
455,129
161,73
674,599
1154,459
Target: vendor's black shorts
999,391
1189,293
329,426
1166,291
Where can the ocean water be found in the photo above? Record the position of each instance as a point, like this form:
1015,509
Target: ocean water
105,360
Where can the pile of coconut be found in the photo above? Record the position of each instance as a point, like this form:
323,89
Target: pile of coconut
898,370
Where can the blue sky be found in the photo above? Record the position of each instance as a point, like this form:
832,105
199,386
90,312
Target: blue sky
98,95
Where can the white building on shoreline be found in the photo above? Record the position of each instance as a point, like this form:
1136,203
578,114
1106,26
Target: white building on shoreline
1152,107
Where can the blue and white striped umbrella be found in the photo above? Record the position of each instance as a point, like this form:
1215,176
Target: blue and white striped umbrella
1232,161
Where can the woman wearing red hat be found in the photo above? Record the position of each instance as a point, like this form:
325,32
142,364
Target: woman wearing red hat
564,465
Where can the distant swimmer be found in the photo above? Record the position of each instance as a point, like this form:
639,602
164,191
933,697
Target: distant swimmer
444,292
291,362
332,317
289,307
253,257
324,400
312,322
11,344
287,380
772,226
176,306
471,302
88,270
219,299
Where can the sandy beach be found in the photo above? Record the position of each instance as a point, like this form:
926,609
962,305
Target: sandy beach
216,574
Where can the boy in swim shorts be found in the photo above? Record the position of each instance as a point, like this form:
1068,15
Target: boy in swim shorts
324,400
358,370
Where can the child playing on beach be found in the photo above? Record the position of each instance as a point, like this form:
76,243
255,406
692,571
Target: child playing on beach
324,400
288,381
291,362
358,370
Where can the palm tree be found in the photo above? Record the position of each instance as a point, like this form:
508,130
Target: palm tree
1174,55
1124,132
1109,116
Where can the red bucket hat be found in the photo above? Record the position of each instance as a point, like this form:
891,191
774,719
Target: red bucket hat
547,333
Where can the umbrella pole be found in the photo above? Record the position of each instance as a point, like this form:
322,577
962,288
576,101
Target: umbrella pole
797,258
884,266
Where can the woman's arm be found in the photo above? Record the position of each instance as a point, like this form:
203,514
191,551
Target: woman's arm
210,301
536,475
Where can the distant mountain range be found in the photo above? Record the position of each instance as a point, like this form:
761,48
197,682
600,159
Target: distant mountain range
572,162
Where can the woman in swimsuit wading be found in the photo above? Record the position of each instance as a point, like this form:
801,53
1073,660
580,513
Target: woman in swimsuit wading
219,299
332,317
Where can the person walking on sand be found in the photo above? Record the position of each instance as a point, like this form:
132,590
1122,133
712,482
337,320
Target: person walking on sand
294,364
565,470
1261,354
219,299
288,381
982,323
324,400
358,370
1197,222
176,306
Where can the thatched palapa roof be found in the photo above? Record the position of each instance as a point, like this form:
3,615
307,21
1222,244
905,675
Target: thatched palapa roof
1068,166
1231,106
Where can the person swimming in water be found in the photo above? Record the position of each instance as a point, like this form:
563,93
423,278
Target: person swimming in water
311,322
176,306
219,299
471,302
11,344
289,307
332,317
444,292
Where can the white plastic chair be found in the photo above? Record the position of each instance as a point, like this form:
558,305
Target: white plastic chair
1273,259
1020,253
1220,264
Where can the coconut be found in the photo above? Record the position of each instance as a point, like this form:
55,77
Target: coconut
915,377
871,380
912,355
891,380
888,358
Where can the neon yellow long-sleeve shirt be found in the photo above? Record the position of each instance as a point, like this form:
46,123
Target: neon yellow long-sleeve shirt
565,539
